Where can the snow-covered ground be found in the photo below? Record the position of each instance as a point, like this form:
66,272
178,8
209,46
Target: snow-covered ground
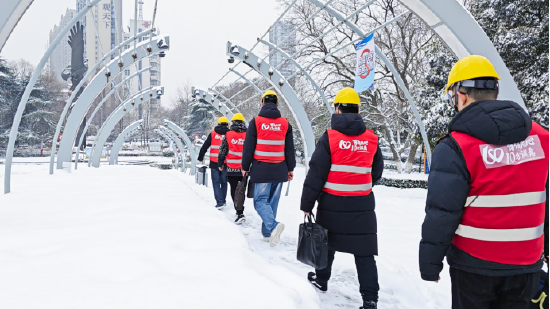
138,237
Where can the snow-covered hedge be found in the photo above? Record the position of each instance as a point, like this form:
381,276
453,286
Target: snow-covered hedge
403,183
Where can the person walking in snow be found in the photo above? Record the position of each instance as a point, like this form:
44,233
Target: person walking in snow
487,195
219,178
231,154
346,163
268,156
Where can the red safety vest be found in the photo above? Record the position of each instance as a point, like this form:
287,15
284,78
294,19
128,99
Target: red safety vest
503,219
235,142
216,141
351,157
270,144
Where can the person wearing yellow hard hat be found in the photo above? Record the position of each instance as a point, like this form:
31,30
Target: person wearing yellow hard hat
219,177
230,157
269,158
487,195
346,163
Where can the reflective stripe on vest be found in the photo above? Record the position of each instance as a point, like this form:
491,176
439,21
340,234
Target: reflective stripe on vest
500,235
351,163
216,141
509,200
270,142
503,218
235,143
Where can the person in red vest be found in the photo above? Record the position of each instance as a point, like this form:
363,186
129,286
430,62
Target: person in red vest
346,163
269,156
219,178
487,195
231,154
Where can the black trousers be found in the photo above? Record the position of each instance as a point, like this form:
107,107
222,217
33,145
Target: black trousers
233,181
366,272
473,291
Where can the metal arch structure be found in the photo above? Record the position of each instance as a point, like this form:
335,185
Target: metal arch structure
247,80
30,86
90,119
276,79
113,159
390,66
81,84
461,32
306,74
215,102
81,107
178,143
173,144
10,15
190,147
223,97
113,119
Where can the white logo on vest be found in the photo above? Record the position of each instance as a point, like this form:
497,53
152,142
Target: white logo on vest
218,136
271,126
496,156
239,141
359,146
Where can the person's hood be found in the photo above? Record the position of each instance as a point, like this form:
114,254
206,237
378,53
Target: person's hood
493,121
348,123
270,110
238,127
221,129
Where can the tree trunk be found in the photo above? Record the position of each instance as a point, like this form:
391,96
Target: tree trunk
410,160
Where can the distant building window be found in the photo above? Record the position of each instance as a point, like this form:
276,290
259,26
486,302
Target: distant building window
154,83
153,73
126,72
154,64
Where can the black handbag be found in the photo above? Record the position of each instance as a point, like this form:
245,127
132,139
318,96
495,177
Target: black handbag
312,244
240,194
540,301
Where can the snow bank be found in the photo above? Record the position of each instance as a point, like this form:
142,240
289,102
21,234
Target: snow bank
129,237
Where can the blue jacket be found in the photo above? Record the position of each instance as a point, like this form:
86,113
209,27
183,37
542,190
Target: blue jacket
263,172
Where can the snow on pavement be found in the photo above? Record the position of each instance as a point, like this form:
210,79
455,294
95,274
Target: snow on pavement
400,213
129,237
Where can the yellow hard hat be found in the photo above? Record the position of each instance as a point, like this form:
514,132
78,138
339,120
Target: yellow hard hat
238,116
223,120
269,92
347,96
470,67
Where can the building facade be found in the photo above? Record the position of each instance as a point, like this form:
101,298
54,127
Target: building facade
283,35
61,56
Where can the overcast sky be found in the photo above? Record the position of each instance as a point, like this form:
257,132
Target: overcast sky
198,33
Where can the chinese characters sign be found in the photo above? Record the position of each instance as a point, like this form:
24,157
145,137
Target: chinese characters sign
496,156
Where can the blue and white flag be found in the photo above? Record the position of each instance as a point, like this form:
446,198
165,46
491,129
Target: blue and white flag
364,72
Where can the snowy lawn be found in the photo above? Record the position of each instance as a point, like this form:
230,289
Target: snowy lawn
138,237
129,237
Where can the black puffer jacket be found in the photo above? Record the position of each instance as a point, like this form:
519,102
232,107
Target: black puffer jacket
238,127
350,220
218,129
263,172
494,122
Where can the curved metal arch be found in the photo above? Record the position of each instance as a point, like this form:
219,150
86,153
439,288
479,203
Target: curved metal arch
247,80
223,97
30,86
461,32
81,107
173,144
113,119
178,143
11,14
177,130
113,159
91,118
215,102
306,74
79,86
276,79
390,66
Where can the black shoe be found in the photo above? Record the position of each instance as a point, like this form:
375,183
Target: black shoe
312,277
240,219
369,304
